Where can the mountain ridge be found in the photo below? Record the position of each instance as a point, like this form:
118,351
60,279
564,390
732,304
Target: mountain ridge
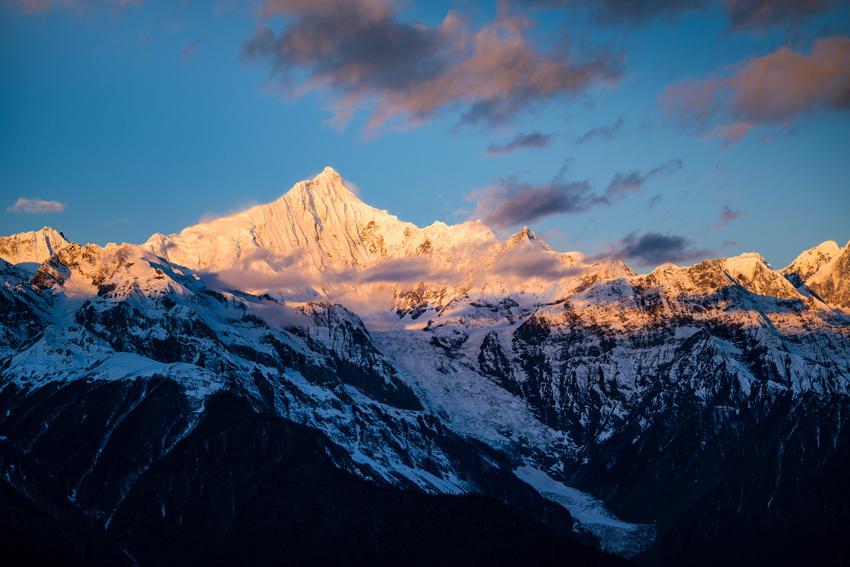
538,378
272,239
320,241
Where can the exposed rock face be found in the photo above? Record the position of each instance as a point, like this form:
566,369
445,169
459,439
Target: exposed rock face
705,406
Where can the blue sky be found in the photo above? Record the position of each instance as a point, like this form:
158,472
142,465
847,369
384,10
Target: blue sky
671,130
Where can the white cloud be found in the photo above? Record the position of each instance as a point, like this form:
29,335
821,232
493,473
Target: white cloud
35,206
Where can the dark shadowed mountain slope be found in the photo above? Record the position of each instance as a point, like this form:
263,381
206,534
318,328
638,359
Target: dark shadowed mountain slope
443,397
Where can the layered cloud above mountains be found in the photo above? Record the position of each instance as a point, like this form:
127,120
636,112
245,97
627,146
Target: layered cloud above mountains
775,89
361,55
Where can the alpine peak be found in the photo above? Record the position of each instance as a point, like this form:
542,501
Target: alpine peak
809,262
32,247
831,282
527,237
327,187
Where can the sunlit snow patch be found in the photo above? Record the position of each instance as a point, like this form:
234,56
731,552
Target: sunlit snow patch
617,536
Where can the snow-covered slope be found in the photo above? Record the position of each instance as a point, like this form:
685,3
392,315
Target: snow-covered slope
676,412
120,319
809,262
311,238
31,247
832,281
319,241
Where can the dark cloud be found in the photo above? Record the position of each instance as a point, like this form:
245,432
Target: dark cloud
653,249
626,12
510,203
623,183
772,90
727,215
359,55
759,14
742,14
190,48
533,140
639,12
605,132
489,113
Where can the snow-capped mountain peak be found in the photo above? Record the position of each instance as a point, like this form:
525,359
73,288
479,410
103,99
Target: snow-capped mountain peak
831,282
525,237
319,237
751,271
809,262
327,187
436,359
32,247
317,226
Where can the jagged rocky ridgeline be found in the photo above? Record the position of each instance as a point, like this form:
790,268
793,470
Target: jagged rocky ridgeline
316,356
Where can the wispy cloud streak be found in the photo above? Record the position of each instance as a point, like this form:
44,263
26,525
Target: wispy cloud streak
624,183
533,140
605,132
190,48
727,215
